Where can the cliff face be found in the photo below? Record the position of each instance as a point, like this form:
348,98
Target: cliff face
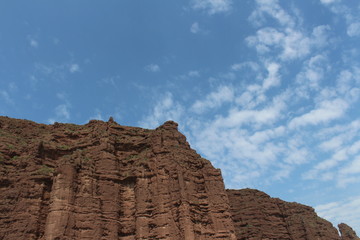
106,181
258,216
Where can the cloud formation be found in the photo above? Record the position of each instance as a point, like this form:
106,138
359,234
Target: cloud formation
212,6
152,68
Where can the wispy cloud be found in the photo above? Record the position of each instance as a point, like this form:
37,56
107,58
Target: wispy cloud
350,15
325,111
289,40
55,72
6,97
212,6
289,43
250,64
341,142
329,1
195,28
152,68
215,99
273,9
166,108
62,111
73,68
311,75
32,41
339,210
354,29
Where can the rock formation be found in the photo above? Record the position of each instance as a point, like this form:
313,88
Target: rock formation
102,180
106,181
347,233
258,216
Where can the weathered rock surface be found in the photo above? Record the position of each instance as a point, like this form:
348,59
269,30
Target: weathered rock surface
347,233
258,216
105,181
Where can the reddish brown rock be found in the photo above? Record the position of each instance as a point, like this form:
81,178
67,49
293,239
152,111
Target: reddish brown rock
258,216
347,233
106,181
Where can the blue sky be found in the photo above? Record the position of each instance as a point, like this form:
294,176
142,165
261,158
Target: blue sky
267,90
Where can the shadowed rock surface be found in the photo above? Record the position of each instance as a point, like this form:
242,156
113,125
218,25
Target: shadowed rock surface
105,181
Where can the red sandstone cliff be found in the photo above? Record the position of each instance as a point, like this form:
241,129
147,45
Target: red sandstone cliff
258,216
106,181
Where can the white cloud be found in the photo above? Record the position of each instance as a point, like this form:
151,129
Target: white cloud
214,100
326,111
273,9
32,41
195,28
289,41
62,113
55,72
328,1
152,68
165,109
341,142
273,78
5,95
353,29
311,75
332,144
194,74
350,15
250,64
212,6
265,116
73,68
244,143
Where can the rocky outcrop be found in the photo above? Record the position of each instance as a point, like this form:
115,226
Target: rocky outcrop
347,233
102,180
106,181
258,216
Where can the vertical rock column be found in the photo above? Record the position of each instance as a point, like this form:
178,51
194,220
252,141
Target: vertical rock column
61,203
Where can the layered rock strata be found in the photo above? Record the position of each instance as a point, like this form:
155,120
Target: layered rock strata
102,180
258,216
106,181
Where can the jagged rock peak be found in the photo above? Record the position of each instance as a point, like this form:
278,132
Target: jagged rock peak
347,233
